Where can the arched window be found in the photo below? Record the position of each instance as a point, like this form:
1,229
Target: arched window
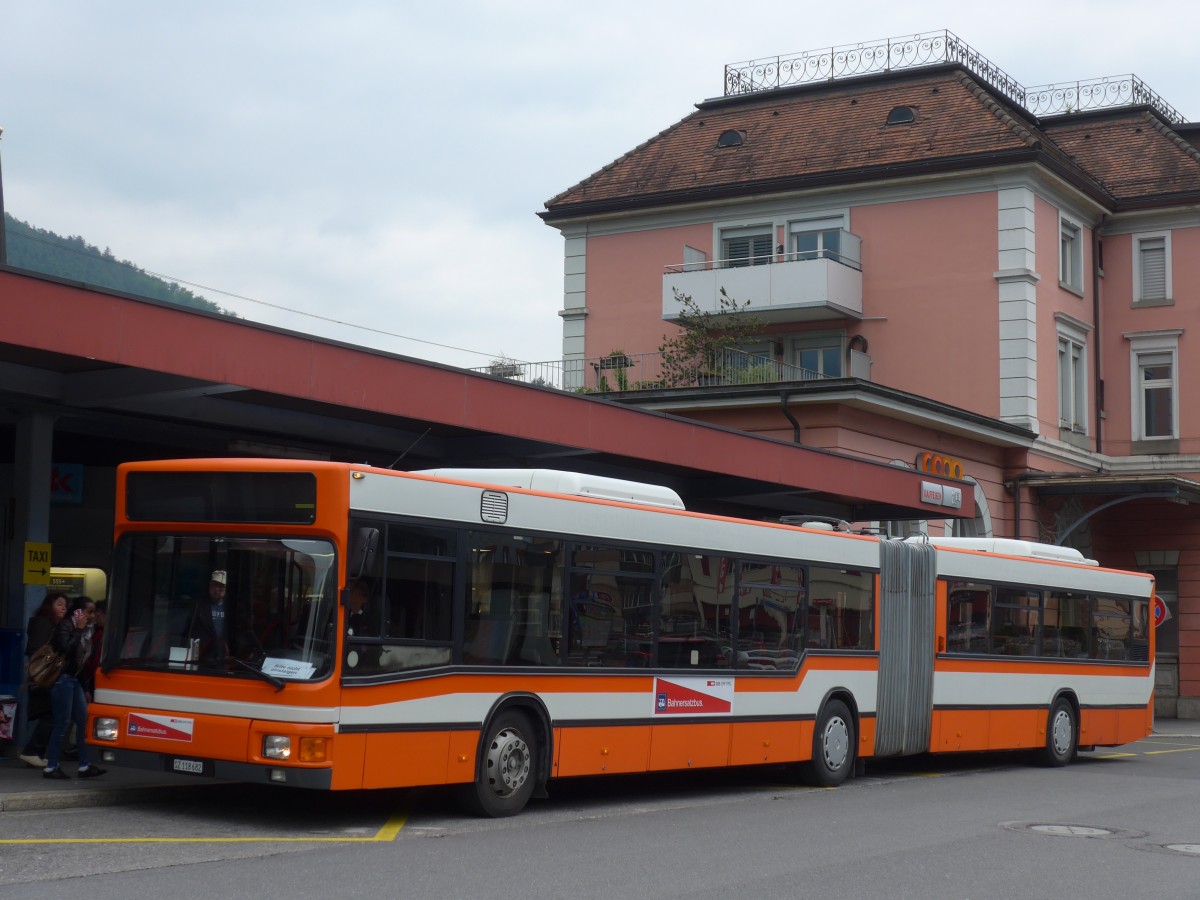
902,115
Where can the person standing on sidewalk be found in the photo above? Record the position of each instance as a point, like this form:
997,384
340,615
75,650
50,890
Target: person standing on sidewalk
66,696
40,716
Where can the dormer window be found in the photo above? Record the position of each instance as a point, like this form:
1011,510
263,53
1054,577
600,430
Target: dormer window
902,115
731,138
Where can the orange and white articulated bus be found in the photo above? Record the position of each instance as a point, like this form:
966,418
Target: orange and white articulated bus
336,626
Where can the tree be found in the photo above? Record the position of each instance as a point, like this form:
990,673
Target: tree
705,336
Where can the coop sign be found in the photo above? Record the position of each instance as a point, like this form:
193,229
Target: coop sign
939,465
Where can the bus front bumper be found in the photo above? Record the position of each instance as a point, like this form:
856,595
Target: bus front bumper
219,769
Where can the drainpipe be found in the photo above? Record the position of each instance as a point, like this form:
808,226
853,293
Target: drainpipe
783,404
1097,380
1013,485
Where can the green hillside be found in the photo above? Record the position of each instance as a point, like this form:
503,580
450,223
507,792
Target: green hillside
74,259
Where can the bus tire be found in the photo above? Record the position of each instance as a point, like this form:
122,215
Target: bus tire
506,772
1062,735
833,747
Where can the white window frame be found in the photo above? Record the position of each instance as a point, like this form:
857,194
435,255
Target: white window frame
1072,373
1140,248
819,341
1070,254
820,227
1150,348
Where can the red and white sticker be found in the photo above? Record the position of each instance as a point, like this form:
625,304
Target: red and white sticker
168,728
692,696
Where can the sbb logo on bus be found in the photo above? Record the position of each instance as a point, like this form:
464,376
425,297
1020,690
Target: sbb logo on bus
936,464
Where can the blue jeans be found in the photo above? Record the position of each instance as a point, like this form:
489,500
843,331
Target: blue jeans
69,705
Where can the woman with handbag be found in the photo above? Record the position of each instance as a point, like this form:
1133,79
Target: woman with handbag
40,716
66,696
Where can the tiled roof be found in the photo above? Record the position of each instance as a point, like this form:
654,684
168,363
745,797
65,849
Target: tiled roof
814,130
815,134
1130,152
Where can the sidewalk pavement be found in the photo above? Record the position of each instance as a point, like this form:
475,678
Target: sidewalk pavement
24,788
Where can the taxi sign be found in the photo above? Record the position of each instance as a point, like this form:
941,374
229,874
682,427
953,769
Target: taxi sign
37,563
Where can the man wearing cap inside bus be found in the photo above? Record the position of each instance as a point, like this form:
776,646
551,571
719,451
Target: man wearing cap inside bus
210,622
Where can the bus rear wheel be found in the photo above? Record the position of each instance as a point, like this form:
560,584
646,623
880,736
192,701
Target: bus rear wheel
833,747
1062,735
507,768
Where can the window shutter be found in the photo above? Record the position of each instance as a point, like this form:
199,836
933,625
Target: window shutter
1154,269
748,250
737,248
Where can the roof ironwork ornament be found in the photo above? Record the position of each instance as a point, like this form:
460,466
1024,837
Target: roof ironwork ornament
934,48
1097,93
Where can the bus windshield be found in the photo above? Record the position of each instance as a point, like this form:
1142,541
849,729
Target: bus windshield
237,606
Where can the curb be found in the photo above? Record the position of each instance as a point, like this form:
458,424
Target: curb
36,800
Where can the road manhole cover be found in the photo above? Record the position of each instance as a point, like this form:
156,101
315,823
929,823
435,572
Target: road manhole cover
1070,830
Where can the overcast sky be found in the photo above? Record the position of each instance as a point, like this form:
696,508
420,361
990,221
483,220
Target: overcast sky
382,163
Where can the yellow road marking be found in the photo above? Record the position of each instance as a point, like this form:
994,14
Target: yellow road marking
386,834
1176,750
1152,741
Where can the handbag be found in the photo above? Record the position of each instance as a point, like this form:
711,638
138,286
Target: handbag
44,666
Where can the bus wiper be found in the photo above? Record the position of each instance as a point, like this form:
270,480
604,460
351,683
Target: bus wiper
270,679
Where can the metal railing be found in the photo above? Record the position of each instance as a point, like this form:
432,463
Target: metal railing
934,48
847,257
886,55
621,372
1097,93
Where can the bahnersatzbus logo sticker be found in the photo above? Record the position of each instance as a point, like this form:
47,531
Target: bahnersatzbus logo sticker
692,696
170,728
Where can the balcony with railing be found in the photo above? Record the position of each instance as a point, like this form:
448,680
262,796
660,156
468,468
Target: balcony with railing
622,372
803,286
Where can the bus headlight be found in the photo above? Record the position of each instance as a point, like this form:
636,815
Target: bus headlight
277,746
105,729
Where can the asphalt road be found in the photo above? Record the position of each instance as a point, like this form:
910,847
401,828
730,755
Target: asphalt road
1118,823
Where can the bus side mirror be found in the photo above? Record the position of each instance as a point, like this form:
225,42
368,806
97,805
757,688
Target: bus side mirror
363,547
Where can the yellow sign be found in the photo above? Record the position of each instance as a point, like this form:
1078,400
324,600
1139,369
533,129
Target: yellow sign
936,464
37,563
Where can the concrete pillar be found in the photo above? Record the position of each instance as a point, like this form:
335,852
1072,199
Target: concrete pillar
33,448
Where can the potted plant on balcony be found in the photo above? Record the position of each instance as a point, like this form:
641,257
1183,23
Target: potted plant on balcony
505,367
694,354
616,362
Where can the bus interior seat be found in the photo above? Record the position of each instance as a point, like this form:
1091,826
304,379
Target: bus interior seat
489,639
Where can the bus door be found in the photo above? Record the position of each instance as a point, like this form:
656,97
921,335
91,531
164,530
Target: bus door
908,579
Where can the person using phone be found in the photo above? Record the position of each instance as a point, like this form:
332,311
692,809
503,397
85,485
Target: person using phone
67,700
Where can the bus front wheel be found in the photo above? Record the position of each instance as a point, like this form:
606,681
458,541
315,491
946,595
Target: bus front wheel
507,768
833,747
1062,735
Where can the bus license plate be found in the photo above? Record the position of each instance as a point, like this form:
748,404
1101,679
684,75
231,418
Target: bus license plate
189,766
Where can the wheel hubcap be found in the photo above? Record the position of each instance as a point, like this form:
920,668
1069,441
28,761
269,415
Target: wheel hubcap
836,743
1061,733
507,762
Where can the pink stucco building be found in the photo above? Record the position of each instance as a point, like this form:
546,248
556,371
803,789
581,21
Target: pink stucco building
947,268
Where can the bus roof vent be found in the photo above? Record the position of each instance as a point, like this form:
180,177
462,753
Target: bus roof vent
1011,547
576,484
818,523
